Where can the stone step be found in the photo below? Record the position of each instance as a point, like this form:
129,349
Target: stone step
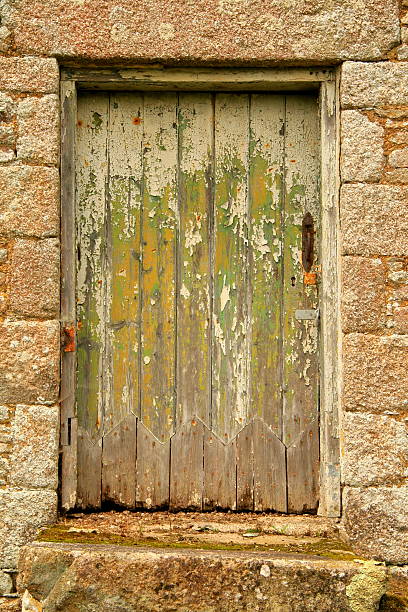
73,577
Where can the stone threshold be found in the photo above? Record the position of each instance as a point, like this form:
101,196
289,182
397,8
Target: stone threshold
103,577
215,530
122,561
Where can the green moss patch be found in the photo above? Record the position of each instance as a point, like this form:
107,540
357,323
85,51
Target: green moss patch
331,549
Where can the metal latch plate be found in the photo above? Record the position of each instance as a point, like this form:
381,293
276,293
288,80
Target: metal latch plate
307,315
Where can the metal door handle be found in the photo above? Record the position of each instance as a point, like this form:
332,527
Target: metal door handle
307,241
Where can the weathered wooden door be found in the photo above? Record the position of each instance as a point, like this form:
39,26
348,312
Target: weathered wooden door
197,252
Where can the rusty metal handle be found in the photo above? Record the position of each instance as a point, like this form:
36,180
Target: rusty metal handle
307,242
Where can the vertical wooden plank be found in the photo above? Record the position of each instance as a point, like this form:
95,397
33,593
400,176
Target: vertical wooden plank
245,468
303,470
219,473
123,256
121,359
91,304
152,470
267,124
265,245
330,493
231,307
68,427
186,469
119,463
195,116
89,471
300,338
230,324
269,470
158,275
193,291
69,466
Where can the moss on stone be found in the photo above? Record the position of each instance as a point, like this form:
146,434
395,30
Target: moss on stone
331,549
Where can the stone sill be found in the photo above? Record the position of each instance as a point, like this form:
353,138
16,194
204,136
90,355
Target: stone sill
71,576
304,535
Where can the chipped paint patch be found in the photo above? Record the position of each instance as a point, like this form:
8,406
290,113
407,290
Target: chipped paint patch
225,296
184,292
259,240
218,332
192,234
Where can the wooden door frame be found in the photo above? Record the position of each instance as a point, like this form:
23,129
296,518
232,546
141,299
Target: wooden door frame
325,81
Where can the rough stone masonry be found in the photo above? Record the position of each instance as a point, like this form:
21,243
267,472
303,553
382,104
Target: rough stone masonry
368,41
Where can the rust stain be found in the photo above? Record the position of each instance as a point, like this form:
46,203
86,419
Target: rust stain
69,339
136,121
80,123
310,278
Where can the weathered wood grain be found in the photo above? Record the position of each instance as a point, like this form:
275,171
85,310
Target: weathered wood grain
269,469
231,317
186,467
68,429
92,159
89,462
330,492
207,79
219,473
159,263
121,351
189,276
195,116
265,252
300,338
69,466
245,468
123,258
119,464
303,471
68,159
152,470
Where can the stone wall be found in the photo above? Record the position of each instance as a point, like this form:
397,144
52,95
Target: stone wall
29,334
374,228
371,38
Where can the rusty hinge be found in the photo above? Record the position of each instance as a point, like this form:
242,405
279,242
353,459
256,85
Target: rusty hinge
68,338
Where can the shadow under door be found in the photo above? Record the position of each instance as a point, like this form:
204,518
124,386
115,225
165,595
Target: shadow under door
197,234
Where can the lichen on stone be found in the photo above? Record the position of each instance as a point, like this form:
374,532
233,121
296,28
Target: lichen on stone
366,588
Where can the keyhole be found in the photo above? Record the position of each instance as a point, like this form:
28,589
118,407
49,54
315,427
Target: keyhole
293,281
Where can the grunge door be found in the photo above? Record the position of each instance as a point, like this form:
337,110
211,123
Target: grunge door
197,245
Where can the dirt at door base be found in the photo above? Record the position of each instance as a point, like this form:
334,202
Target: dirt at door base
303,534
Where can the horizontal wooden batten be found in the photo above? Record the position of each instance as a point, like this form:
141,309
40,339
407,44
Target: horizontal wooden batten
197,80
